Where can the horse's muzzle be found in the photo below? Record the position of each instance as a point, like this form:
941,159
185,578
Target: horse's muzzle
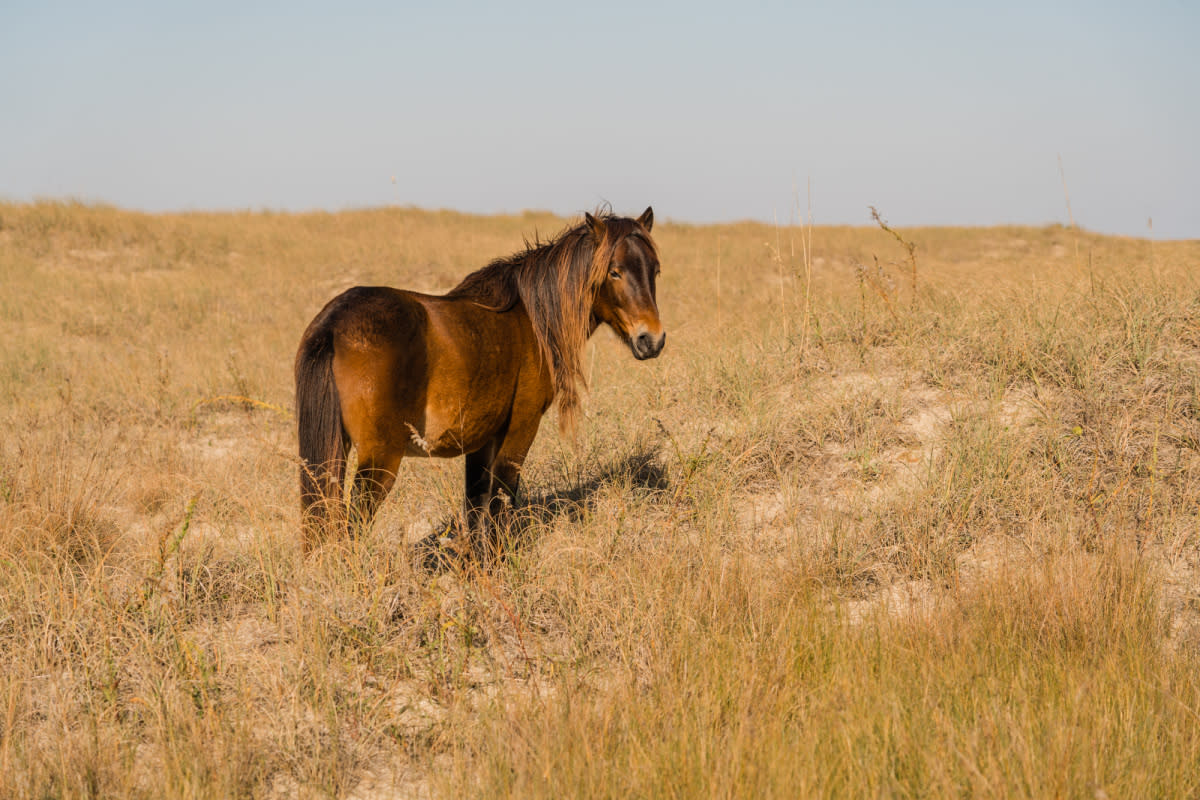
647,345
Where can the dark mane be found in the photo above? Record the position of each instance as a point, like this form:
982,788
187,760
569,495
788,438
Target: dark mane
557,281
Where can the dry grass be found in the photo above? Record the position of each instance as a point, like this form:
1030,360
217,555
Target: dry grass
922,527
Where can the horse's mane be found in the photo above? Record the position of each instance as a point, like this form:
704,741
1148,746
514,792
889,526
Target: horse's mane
557,281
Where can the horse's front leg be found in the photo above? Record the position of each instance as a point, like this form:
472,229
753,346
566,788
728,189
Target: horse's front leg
478,494
493,475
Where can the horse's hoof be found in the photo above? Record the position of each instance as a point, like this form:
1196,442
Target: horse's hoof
439,552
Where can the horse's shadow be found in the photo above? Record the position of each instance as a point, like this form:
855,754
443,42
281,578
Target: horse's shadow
451,546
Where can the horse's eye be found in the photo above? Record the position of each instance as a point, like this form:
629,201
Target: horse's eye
614,273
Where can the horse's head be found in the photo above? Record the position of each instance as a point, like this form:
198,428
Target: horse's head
626,299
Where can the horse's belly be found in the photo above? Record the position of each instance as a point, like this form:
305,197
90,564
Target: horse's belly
453,432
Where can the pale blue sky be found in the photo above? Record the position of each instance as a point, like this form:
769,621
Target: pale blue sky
936,112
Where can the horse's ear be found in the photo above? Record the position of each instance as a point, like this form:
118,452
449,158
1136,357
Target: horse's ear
597,226
646,220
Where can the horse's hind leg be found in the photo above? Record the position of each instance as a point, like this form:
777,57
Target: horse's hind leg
373,479
322,506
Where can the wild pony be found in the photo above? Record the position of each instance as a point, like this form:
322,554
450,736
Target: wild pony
395,373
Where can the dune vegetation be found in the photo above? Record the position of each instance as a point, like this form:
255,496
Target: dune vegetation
896,513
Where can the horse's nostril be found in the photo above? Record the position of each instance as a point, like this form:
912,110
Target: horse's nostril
647,344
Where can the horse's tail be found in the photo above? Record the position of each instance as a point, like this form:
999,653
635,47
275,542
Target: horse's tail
323,441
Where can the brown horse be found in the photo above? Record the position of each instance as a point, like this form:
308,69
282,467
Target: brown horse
398,373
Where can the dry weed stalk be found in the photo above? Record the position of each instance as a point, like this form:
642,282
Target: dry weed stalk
910,249
809,320
876,279
1062,173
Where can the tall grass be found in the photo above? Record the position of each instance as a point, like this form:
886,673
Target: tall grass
937,537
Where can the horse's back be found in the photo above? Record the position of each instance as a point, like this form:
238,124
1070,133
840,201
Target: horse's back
386,323
370,316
